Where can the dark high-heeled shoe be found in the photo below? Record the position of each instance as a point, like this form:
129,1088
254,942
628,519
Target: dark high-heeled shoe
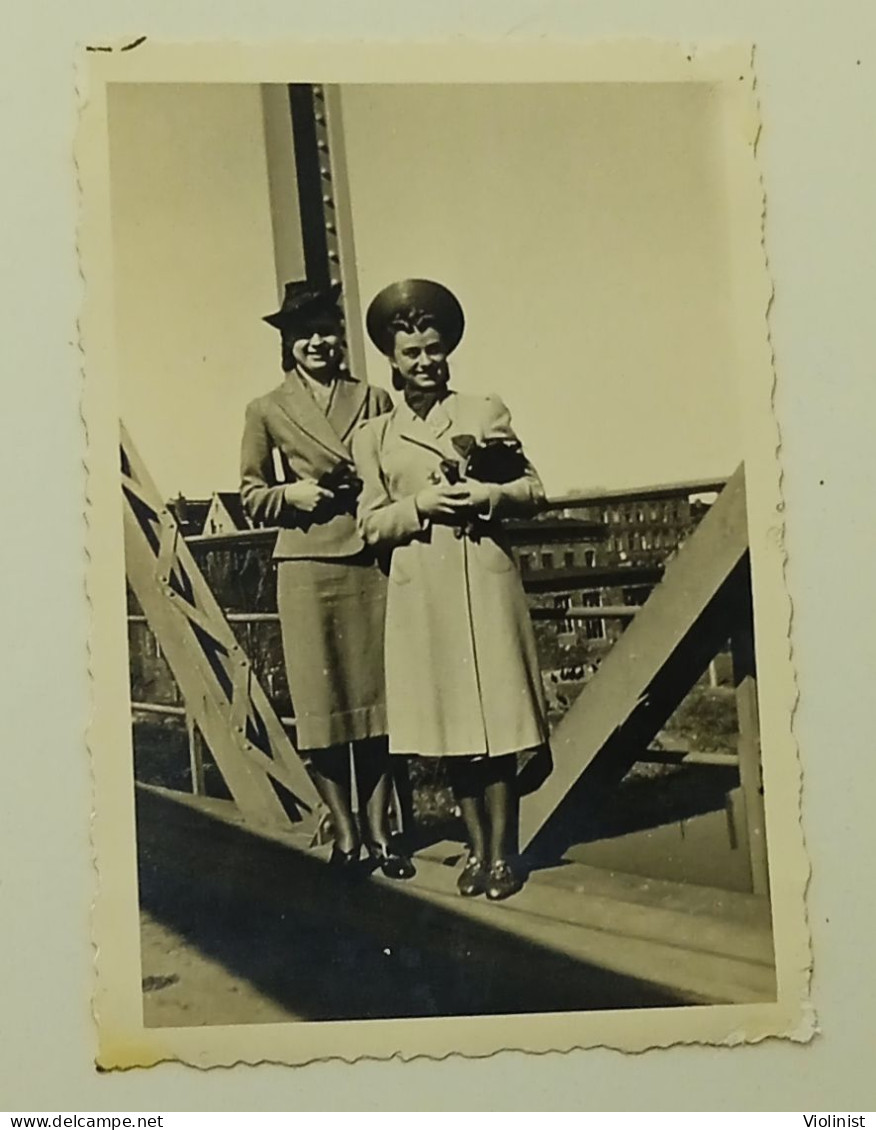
472,879
502,882
344,861
392,862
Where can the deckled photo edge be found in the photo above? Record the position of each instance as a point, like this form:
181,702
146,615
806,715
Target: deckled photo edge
123,1041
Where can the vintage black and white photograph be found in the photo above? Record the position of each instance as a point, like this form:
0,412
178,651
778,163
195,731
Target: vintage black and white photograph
437,565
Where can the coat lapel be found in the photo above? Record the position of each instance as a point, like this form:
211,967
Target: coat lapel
347,402
306,414
432,433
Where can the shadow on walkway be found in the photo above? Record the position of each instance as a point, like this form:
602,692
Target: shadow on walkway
327,948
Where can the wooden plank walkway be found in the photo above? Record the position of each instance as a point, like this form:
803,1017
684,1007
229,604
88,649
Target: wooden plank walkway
265,909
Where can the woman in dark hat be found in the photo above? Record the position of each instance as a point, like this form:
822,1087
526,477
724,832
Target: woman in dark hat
440,472
297,473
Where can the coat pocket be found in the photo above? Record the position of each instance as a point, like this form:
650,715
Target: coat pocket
398,570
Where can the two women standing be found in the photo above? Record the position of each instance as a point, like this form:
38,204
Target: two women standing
439,472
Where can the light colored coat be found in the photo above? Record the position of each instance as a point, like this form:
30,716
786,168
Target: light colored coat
308,442
462,672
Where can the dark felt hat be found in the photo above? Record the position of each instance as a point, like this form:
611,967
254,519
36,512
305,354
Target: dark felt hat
415,294
303,301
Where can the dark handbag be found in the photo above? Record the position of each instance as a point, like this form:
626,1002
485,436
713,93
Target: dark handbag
491,460
341,480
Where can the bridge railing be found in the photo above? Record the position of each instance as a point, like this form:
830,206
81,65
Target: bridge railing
588,563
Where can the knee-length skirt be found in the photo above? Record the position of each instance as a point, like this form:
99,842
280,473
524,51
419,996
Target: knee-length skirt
332,615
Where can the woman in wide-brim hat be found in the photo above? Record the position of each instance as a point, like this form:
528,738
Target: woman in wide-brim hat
463,678
297,474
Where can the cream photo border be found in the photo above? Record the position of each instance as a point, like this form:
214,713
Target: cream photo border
123,1040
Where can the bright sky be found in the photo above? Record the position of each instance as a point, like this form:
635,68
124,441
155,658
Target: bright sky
582,227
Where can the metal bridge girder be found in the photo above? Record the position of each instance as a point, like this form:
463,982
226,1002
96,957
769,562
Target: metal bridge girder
223,698
688,617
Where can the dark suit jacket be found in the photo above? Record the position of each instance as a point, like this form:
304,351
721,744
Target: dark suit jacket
287,431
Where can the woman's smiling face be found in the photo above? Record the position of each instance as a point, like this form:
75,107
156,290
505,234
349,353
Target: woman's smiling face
316,350
420,358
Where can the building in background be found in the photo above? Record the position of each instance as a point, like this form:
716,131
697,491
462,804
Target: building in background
190,514
597,554
226,514
627,531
